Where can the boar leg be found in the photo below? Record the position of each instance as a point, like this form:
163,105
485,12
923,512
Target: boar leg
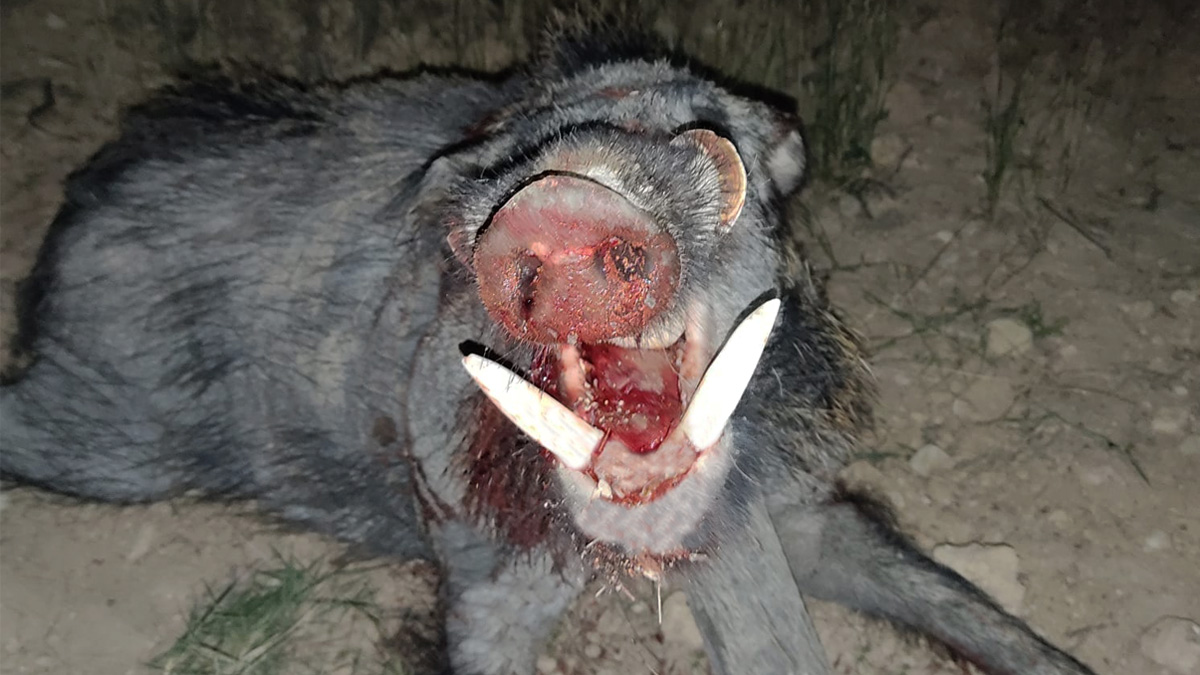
501,605
841,553
749,609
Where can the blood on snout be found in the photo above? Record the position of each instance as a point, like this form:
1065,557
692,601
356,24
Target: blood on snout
566,258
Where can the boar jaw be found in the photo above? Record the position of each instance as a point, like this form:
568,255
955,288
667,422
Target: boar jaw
642,450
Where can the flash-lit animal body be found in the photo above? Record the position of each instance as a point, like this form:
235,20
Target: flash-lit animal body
535,330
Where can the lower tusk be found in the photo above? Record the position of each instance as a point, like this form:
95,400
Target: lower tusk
539,415
727,377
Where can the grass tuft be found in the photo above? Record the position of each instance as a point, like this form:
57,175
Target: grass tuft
854,43
268,623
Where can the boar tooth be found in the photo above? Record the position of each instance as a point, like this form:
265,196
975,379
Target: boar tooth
539,415
727,377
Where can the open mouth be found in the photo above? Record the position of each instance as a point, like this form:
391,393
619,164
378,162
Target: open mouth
633,422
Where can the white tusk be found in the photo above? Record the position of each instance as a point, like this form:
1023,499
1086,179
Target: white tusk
727,376
539,415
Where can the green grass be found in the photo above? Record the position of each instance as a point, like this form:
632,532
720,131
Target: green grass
832,56
853,44
269,622
1031,315
1003,123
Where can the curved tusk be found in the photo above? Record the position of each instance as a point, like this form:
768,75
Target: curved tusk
727,377
538,414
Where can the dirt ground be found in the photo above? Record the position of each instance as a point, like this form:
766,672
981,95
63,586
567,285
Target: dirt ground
1040,371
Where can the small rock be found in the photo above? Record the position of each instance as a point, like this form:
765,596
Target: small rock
546,665
141,543
1059,519
886,150
678,625
1169,421
1095,476
944,236
988,398
1173,643
849,207
992,567
1190,446
863,475
1141,310
1008,336
592,651
1156,541
929,459
639,608
1179,390
1184,297
55,22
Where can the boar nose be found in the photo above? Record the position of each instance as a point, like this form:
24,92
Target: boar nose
566,259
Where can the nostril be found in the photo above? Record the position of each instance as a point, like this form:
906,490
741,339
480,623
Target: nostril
528,269
628,262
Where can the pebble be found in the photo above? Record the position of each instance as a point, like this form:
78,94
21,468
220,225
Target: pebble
1156,541
1095,476
592,650
929,459
1184,297
993,567
1142,309
886,150
1169,421
141,543
1173,643
863,475
988,398
849,207
1059,519
678,625
546,665
1008,337
55,22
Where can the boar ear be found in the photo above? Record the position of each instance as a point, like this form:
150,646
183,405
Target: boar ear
786,157
731,174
